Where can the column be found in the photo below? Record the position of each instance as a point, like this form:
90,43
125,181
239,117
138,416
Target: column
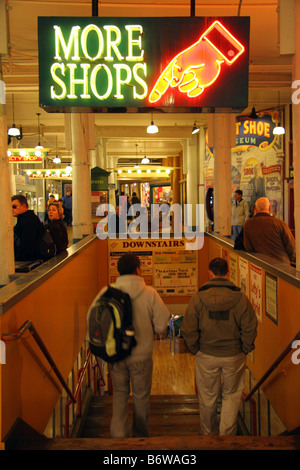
175,180
81,175
222,138
201,188
296,130
6,226
192,179
112,180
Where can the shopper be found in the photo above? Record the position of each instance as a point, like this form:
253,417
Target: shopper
239,213
56,227
150,315
268,235
27,231
219,328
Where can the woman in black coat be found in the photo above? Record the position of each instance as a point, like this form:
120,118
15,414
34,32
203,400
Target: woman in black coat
56,227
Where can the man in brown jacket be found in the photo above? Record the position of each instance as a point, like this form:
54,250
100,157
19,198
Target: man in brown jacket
268,235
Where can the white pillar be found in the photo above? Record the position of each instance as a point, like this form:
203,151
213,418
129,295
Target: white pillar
6,226
112,180
296,130
201,186
192,176
222,134
81,176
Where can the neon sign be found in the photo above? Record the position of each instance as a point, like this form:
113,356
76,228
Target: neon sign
197,67
108,63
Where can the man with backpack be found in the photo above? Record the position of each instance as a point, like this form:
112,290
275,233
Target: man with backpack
219,328
149,316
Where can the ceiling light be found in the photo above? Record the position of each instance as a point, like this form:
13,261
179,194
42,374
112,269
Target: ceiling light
39,146
68,169
14,131
152,129
56,159
195,129
145,160
278,130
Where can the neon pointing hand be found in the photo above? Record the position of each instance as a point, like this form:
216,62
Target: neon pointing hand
198,66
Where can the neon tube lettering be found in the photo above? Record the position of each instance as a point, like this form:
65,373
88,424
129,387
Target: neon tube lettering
94,78
78,81
110,44
134,42
140,81
84,40
72,43
59,82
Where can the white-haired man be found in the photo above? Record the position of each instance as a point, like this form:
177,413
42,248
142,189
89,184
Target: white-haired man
268,235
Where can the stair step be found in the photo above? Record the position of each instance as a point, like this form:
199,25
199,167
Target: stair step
170,443
167,415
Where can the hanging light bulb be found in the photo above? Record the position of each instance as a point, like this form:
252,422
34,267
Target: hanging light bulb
195,129
152,129
14,131
39,146
56,159
278,130
145,160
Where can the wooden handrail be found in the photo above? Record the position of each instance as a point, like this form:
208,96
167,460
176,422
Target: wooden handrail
28,326
273,366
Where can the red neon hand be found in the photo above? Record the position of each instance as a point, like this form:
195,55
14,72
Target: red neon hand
198,66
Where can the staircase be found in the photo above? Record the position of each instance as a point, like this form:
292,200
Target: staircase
173,425
167,415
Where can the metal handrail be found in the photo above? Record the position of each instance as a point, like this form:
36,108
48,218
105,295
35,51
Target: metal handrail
28,326
81,373
73,398
280,358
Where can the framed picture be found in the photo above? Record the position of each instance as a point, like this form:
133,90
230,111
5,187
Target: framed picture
271,297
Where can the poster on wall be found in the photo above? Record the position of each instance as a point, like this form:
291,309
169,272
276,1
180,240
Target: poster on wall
256,161
271,297
243,275
256,290
233,268
165,264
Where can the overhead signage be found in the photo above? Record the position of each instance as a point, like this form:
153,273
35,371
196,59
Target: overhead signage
118,63
256,132
24,159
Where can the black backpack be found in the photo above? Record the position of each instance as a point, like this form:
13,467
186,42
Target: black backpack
47,248
110,330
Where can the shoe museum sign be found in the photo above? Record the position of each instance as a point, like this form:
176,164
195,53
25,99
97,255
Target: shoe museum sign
94,64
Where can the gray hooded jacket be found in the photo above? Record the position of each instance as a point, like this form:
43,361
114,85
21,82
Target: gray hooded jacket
149,314
219,320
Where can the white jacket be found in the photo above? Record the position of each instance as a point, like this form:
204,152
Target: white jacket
150,315
239,212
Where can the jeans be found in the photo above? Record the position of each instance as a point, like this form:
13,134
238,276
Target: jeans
139,374
214,374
